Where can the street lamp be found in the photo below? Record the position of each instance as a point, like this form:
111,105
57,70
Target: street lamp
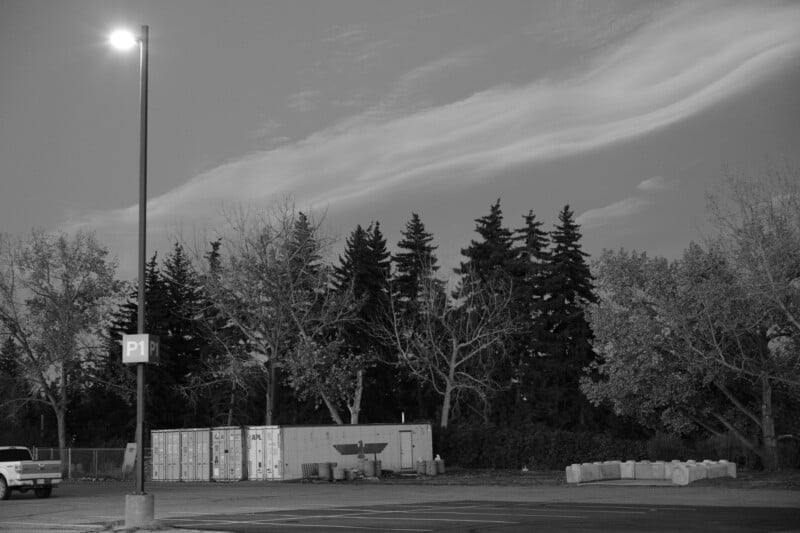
139,508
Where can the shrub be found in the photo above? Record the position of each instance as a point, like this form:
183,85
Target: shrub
666,447
535,446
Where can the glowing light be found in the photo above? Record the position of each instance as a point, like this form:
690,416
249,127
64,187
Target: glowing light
122,39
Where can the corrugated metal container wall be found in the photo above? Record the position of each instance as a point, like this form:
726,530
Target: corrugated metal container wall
398,446
264,460
158,455
172,460
226,454
195,454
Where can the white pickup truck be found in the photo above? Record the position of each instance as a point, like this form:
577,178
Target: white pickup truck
18,471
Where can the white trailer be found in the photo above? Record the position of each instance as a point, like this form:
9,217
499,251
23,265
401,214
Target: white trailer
397,446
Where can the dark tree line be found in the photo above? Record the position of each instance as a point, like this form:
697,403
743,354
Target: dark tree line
259,327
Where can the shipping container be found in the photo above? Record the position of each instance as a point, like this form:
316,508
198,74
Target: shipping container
195,454
264,460
166,455
181,454
227,454
280,452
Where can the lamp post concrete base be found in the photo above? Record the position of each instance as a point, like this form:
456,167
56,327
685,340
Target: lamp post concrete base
139,510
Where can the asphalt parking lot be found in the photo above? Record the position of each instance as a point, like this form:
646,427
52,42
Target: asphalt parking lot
259,506
501,517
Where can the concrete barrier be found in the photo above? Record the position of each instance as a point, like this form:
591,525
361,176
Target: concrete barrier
669,468
610,470
715,469
679,472
627,470
687,473
574,473
648,470
730,466
583,473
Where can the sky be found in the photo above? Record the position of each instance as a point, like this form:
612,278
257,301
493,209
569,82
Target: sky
629,111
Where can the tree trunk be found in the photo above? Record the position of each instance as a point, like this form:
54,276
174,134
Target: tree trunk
770,453
230,405
332,409
269,395
61,422
448,391
355,408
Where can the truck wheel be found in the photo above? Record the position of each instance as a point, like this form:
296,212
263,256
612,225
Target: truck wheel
5,492
43,492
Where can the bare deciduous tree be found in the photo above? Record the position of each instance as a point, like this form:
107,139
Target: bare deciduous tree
453,345
271,287
55,295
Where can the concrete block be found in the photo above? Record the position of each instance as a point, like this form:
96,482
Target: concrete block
669,468
590,472
687,473
610,470
731,468
139,510
648,470
716,470
627,470
573,473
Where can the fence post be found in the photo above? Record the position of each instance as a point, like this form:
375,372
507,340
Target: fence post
94,453
69,463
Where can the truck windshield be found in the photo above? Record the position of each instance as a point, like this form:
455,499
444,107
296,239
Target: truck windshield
16,454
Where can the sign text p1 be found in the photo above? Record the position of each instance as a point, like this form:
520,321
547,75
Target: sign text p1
142,348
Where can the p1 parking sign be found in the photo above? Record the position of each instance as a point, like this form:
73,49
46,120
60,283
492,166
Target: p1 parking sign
142,348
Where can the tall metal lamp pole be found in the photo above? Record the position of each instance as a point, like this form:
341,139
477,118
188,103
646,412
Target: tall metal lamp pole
125,40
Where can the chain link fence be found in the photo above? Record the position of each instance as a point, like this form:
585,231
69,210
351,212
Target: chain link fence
92,463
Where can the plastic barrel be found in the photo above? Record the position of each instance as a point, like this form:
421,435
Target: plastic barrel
420,467
369,468
430,468
439,466
324,470
338,473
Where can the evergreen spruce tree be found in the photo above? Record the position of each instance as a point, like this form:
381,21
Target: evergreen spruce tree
527,272
492,256
365,266
182,339
416,264
303,248
564,340
492,261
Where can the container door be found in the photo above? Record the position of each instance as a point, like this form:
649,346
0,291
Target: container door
406,447
235,459
187,456
272,453
158,456
227,454
255,453
203,444
173,459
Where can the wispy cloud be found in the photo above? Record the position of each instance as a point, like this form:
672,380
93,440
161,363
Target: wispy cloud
656,183
594,218
690,58
304,101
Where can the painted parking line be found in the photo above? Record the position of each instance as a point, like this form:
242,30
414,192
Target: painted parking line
281,524
52,525
459,513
